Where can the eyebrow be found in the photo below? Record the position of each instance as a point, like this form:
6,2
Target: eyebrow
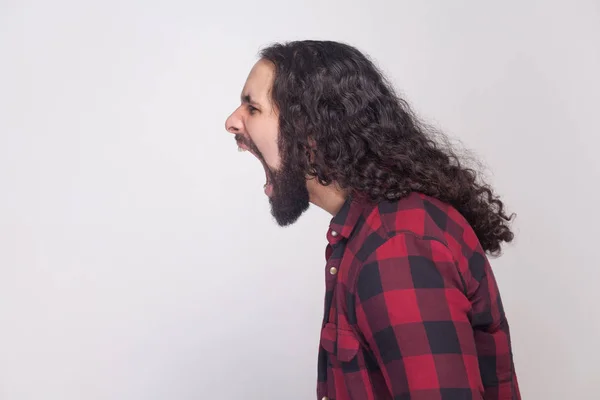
248,100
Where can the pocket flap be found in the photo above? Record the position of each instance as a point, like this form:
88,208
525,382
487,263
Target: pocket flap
340,342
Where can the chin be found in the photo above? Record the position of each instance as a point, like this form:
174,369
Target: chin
287,211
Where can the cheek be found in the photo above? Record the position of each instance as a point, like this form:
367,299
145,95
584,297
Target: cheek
266,141
271,154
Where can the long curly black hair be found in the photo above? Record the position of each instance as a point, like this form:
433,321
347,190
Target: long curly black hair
341,121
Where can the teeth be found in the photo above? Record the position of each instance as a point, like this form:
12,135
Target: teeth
241,149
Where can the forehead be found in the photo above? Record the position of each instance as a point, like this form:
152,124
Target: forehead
259,81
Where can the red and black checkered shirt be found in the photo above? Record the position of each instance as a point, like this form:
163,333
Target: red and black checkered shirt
412,309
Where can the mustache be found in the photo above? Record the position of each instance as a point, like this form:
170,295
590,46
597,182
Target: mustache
242,140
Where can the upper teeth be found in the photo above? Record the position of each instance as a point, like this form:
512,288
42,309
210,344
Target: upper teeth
240,149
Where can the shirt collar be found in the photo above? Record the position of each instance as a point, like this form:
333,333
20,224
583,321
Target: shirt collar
344,222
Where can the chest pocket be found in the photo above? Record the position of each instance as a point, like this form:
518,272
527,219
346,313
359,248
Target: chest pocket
340,344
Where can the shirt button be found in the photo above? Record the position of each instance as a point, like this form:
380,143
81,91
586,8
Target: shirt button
334,234
333,270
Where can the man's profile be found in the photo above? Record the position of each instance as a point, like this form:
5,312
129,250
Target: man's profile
412,309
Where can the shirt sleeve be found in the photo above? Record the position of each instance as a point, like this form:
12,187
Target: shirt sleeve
414,311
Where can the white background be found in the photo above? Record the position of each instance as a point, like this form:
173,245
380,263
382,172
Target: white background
138,258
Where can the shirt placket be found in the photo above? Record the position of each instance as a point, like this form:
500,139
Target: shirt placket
334,253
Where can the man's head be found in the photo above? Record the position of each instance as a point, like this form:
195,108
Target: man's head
325,123
295,106
255,124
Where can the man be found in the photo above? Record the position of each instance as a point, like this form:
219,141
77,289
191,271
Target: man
412,310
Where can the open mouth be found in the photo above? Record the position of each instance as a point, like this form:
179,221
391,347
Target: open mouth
244,147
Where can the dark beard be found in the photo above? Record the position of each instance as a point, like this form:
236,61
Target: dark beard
290,196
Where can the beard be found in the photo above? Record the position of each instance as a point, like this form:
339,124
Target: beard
289,198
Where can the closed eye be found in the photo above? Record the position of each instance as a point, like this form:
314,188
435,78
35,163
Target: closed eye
252,110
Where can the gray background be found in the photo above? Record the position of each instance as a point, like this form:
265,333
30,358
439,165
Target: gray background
138,259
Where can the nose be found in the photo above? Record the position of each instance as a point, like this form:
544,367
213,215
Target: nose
234,123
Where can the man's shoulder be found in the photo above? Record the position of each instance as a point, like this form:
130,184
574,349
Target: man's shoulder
417,214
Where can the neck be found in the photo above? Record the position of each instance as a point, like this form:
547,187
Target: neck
330,198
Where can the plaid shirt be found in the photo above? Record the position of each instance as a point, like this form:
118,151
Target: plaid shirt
412,310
